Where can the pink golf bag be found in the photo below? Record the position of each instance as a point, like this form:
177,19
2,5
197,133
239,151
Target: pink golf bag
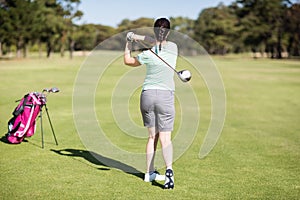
22,124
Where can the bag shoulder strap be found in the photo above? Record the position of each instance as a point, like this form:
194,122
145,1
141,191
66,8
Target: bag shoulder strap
20,109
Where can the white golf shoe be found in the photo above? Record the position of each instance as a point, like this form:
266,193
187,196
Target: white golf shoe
149,177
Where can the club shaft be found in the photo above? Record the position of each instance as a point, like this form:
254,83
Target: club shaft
141,42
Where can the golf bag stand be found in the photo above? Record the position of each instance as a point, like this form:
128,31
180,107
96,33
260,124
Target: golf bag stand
42,130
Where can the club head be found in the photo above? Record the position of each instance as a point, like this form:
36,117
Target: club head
54,90
184,75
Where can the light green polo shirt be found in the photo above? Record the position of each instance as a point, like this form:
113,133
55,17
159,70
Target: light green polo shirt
158,74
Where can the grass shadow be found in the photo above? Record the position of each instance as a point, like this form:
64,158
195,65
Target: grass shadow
4,140
97,159
157,184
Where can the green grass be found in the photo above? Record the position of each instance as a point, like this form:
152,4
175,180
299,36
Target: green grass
256,157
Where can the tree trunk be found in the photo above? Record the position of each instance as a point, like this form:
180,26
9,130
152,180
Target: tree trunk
254,52
279,49
272,51
62,51
40,49
72,44
62,44
19,48
49,48
1,53
25,51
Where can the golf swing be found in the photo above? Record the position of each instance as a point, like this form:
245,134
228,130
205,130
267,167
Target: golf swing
157,101
184,75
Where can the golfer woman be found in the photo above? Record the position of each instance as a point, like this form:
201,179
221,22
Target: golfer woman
157,97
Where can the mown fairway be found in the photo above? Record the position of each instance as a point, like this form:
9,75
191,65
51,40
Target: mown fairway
256,157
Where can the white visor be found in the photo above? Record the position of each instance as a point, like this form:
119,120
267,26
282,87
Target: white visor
161,17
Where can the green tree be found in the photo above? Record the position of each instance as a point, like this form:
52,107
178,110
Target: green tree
183,25
215,29
69,12
4,17
292,27
85,37
51,24
56,27
263,24
126,24
104,32
17,23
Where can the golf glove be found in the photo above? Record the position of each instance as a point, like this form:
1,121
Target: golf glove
130,36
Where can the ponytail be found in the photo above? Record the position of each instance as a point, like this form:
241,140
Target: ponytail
161,36
161,30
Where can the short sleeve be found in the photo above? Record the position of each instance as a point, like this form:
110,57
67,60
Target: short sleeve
144,57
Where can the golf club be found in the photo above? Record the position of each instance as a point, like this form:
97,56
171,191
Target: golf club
184,75
44,99
43,96
53,90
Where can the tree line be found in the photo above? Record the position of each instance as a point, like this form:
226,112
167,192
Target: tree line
268,27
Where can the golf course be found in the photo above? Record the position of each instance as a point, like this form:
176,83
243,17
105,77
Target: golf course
257,155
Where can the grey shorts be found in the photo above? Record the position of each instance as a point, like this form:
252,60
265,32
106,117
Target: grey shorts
158,109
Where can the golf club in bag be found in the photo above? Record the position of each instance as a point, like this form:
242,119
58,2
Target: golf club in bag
23,122
184,75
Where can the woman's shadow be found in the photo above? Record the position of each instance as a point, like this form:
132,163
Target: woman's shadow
97,159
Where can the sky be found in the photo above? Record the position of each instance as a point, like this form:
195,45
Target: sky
112,12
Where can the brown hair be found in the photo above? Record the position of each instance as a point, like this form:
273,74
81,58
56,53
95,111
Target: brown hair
161,29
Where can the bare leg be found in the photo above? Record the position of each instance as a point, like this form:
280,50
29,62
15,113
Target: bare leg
167,148
151,149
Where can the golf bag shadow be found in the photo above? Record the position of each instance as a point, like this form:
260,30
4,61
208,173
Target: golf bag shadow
23,124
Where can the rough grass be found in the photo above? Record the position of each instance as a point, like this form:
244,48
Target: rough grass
256,157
